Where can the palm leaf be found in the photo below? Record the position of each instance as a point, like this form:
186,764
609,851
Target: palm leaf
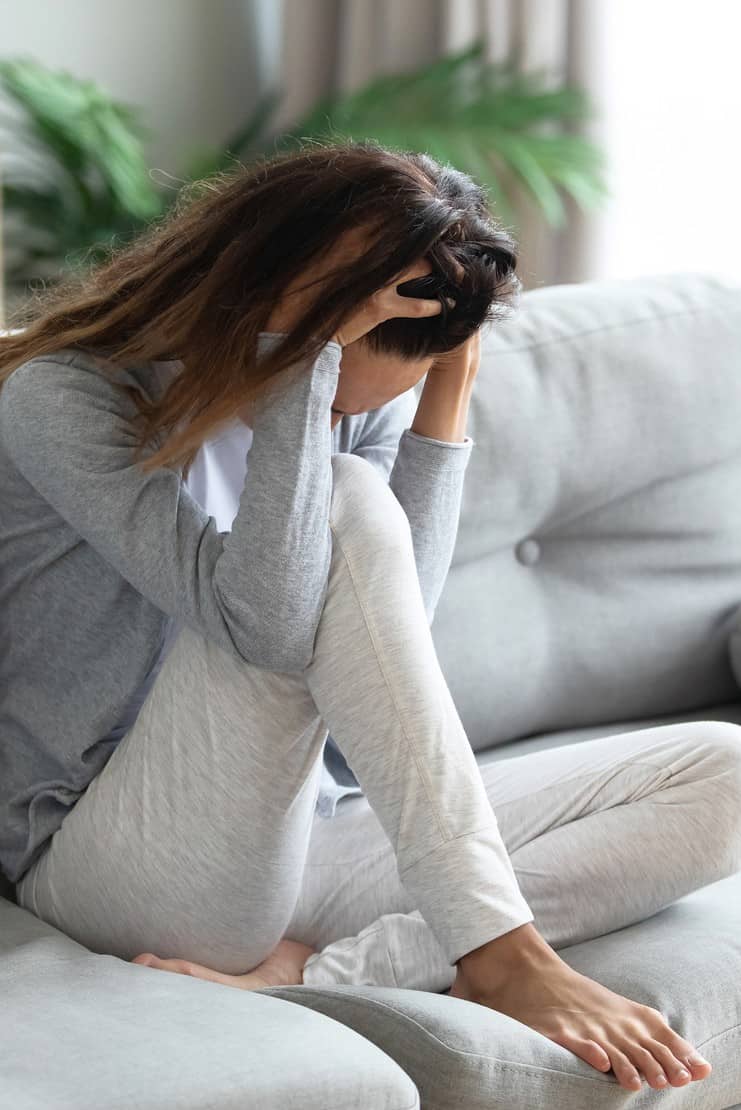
87,132
485,118
91,180
75,176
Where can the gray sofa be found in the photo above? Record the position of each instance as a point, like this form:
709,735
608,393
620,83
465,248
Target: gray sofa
595,588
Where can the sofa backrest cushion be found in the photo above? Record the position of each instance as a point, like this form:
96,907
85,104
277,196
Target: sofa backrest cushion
597,570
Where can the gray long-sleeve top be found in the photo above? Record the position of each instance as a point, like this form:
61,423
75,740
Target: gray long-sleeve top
96,556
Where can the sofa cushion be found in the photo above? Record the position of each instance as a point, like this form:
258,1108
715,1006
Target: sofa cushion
596,574
470,1056
539,741
685,961
93,1032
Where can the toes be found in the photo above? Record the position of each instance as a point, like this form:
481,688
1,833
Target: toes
679,1075
182,967
625,1072
592,1053
197,971
148,959
698,1065
647,1065
682,1054
675,1070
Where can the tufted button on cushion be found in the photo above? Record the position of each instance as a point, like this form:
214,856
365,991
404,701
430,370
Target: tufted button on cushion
528,552
590,417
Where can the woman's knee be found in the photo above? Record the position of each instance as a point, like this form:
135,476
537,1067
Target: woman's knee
364,503
725,739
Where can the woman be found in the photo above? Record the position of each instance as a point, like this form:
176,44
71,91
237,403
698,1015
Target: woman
170,684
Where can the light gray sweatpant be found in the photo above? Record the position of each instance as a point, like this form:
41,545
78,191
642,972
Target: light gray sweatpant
199,838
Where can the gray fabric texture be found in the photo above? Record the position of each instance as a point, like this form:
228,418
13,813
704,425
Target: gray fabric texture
575,819
628,612
596,576
95,556
685,960
91,1032
190,843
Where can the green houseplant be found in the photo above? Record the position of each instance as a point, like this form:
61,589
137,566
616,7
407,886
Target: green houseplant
503,127
73,171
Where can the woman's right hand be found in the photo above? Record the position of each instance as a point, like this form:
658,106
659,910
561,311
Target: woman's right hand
382,305
386,303
599,1026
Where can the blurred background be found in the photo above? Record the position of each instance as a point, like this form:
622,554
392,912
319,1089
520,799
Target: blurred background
605,131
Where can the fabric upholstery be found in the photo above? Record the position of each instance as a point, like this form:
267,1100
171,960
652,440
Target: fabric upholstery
596,575
595,586
685,961
93,1032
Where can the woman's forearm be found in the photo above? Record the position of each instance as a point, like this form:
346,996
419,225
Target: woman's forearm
442,410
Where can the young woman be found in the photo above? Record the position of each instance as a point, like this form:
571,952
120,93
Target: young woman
174,665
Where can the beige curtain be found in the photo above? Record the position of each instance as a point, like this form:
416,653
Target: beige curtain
327,45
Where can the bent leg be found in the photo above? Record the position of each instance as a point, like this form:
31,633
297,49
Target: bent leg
191,841
602,833
377,680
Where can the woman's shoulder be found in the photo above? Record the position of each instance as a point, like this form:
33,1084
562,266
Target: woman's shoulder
72,371
53,375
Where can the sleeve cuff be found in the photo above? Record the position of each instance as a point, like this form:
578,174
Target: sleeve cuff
441,452
328,358
283,334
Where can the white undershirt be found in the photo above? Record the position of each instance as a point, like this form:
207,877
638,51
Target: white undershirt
218,471
215,480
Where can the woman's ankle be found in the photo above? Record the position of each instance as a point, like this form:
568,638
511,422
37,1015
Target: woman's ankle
504,958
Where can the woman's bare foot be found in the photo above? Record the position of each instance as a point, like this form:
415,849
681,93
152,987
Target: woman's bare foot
282,968
527,980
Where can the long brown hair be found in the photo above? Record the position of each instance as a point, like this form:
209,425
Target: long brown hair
199,284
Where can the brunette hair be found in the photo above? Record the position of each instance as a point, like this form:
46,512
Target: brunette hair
199,284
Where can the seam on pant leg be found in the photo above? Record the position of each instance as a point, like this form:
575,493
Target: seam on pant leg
420,766
452,840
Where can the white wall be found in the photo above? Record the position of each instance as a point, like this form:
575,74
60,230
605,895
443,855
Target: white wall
194,67
671,102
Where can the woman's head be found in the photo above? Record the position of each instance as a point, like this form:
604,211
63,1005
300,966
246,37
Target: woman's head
199,284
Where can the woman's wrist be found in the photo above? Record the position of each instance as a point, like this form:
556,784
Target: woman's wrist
442,409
